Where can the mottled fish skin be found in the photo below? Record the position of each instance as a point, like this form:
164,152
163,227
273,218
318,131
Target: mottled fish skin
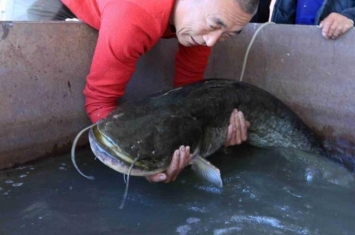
197,115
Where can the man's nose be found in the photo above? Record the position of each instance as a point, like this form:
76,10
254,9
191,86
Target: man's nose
212,37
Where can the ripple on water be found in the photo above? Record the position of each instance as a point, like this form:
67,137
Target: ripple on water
210,189
257,219
198,209
269,221
192,220
62,166
6,193
183,229
230,230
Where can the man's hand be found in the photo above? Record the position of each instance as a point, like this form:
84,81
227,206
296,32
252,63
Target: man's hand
335,25
237,133
181,158
237,129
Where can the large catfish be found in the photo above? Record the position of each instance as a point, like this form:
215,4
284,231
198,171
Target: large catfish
139,138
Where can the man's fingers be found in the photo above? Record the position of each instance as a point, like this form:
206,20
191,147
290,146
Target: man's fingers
156,178
181,158
335,25
321,24
229,135
327,29
337,32
247,123
186,158
231,138
237,128
328,25
232,131
232,128
243,127
183,161
174,167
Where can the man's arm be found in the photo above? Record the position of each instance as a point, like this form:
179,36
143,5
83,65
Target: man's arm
126,32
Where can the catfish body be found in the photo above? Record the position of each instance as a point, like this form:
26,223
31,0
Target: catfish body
147,132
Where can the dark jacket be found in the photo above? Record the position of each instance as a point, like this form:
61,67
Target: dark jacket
263,13
285,10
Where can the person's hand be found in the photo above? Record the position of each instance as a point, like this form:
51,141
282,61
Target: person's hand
335,25
181,158
237,129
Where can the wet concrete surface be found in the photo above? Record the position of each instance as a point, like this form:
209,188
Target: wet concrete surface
266,191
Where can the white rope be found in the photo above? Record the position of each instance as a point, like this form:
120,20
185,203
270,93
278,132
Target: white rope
249,46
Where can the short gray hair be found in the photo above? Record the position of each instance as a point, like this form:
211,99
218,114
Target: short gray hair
249,6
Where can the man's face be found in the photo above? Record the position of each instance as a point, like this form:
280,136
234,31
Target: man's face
204,22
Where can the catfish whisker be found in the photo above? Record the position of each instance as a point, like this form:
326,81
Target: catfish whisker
73,151
127,184
124,178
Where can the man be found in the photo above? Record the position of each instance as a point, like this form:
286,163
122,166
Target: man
130,28
335,18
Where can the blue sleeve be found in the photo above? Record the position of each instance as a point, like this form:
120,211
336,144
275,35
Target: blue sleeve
350,13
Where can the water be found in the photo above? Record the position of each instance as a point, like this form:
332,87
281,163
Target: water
265,192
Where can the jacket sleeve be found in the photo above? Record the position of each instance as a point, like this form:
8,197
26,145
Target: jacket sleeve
349,13
123,38
284,12
190,63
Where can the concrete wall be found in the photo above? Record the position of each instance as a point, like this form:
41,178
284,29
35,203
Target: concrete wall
43,68
42,75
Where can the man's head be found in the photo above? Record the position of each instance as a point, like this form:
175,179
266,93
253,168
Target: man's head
204,22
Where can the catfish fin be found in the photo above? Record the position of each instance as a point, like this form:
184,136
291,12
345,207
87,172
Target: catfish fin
207,171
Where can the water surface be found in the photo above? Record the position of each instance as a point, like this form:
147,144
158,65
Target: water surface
266,191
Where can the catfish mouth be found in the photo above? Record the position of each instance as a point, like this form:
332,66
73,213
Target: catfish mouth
114,157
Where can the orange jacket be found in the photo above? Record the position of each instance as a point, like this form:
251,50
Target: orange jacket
127,30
